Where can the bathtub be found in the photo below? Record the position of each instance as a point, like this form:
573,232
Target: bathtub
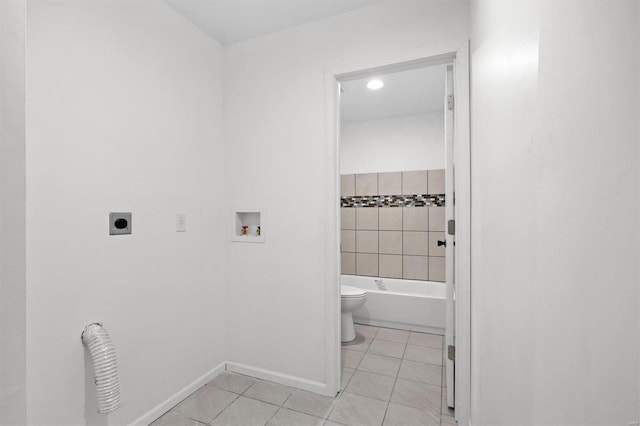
406,304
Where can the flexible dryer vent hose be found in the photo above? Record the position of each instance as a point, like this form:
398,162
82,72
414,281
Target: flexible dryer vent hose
105,370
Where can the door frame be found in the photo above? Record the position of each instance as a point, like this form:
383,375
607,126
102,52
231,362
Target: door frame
459,57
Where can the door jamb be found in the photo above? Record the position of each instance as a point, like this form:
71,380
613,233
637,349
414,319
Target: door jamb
333,75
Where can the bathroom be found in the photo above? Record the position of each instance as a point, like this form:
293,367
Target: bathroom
152,108
392,235
392,171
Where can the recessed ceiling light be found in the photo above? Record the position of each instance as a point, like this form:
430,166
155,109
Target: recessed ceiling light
375,84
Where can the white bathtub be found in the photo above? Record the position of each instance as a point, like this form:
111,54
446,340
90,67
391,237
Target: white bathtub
406,304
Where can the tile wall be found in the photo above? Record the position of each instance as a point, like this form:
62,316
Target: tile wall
391,225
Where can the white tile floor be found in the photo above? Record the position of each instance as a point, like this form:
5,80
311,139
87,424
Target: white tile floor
389,377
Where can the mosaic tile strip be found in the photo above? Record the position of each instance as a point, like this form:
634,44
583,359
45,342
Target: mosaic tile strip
433,200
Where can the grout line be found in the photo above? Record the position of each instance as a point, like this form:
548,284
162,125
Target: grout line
274,414
393,388
227,406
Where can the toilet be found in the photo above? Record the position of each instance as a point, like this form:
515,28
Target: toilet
351,299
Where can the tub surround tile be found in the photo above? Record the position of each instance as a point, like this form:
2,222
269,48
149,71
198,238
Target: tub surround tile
379,364
347,218
415,267
417,395
393,201
402,415
367,218
416,218
390,242
436,219
390,266
425,339
348,263
348,241
423,354
246,411
384,348
403,214
415,243
273,393
366,242
287,417
421,372
367,184
434,249
415,182
367,264
310,403
437,269
357,410
436,181
205,404
372,385
232,382
350,359
390,183
347,185
390,218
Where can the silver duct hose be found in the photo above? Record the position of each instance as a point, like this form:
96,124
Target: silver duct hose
105,370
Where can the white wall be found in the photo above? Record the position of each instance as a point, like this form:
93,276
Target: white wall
12,214
274,130
124,112
414,142
555,295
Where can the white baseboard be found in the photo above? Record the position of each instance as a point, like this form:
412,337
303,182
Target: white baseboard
163,407
283,379
399,325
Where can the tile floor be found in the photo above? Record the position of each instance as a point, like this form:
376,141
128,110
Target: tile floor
389,377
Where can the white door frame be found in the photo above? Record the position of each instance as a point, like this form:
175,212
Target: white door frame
414,59
449,170
462,178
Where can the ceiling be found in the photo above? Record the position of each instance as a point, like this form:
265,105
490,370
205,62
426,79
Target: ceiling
411,92
230,21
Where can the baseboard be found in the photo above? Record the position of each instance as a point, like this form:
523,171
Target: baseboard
163,407
283,379
399,326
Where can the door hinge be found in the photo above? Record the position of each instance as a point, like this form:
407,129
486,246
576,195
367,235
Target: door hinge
450,102
451,353
451,227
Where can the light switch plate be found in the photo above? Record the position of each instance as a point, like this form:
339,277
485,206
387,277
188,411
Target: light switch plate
181,222
119,223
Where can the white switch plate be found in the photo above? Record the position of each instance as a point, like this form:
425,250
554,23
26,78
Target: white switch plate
181,222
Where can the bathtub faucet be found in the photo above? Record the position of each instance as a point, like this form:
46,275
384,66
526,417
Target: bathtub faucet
381,285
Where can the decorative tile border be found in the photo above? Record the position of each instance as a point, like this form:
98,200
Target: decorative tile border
433,200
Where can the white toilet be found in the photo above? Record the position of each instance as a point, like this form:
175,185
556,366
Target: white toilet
351,299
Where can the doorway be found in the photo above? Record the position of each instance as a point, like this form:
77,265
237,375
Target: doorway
361,246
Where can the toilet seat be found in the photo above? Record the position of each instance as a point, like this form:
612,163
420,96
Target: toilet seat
349,291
